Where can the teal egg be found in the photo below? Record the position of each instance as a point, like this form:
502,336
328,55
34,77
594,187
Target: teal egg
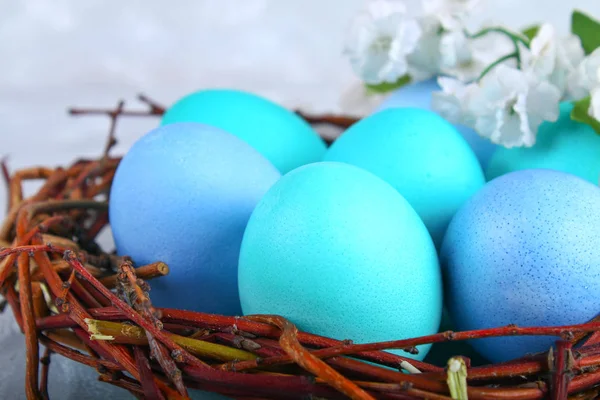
418,153
340,253
564,145
278,134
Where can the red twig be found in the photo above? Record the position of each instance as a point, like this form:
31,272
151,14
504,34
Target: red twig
45,361
151,390
31,340
562,363
6,178
306,360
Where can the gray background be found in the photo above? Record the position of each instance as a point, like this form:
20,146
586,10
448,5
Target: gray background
54,54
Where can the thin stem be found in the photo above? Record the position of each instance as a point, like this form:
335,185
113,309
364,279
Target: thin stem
496,63
45,361
289,342
131,334
144,272
515,37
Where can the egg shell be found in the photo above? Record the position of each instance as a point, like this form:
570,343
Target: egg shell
419,95
183,195
280,135
203,395
340,253
418,153
564,145
525,251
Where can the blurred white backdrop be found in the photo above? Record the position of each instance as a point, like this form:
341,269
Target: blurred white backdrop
91,53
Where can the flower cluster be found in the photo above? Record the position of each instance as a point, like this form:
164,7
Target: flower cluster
501,83
390,40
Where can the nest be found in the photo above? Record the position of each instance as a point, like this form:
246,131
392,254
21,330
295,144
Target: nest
78,301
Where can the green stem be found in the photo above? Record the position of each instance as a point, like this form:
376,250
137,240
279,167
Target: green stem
498,62
131,334
515,37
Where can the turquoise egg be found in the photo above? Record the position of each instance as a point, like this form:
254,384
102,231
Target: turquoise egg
418,153
564,145
419,95
183,194
524,250
340,253
278,134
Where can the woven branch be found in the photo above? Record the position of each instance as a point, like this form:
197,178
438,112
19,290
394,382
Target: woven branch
82,303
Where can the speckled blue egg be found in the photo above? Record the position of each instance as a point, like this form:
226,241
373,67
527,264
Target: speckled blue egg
564,145
183,195
524,250
280,135
419,95
418,153
340,253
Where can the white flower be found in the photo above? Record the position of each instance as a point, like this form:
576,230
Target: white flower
551,58
424,61
510,105
380,40
507,105
453,101
594,110
358,100
465,58
585,77
451,13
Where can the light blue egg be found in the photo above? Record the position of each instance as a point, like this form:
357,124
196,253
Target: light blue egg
524,250
564,145
421,155
419,95
183,195
340,253
280,135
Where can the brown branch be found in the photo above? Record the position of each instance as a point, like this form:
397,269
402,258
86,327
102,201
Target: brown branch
31,340
289,343
145,272
561,364
149,386
45,361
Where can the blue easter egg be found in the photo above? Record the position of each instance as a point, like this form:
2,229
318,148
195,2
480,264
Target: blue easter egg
421,155
525,251
340,253
203,395
280,135
183,195
419,95
564,145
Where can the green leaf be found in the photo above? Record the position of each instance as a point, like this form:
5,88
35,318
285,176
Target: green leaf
388,87
588,30
531,31
580,113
